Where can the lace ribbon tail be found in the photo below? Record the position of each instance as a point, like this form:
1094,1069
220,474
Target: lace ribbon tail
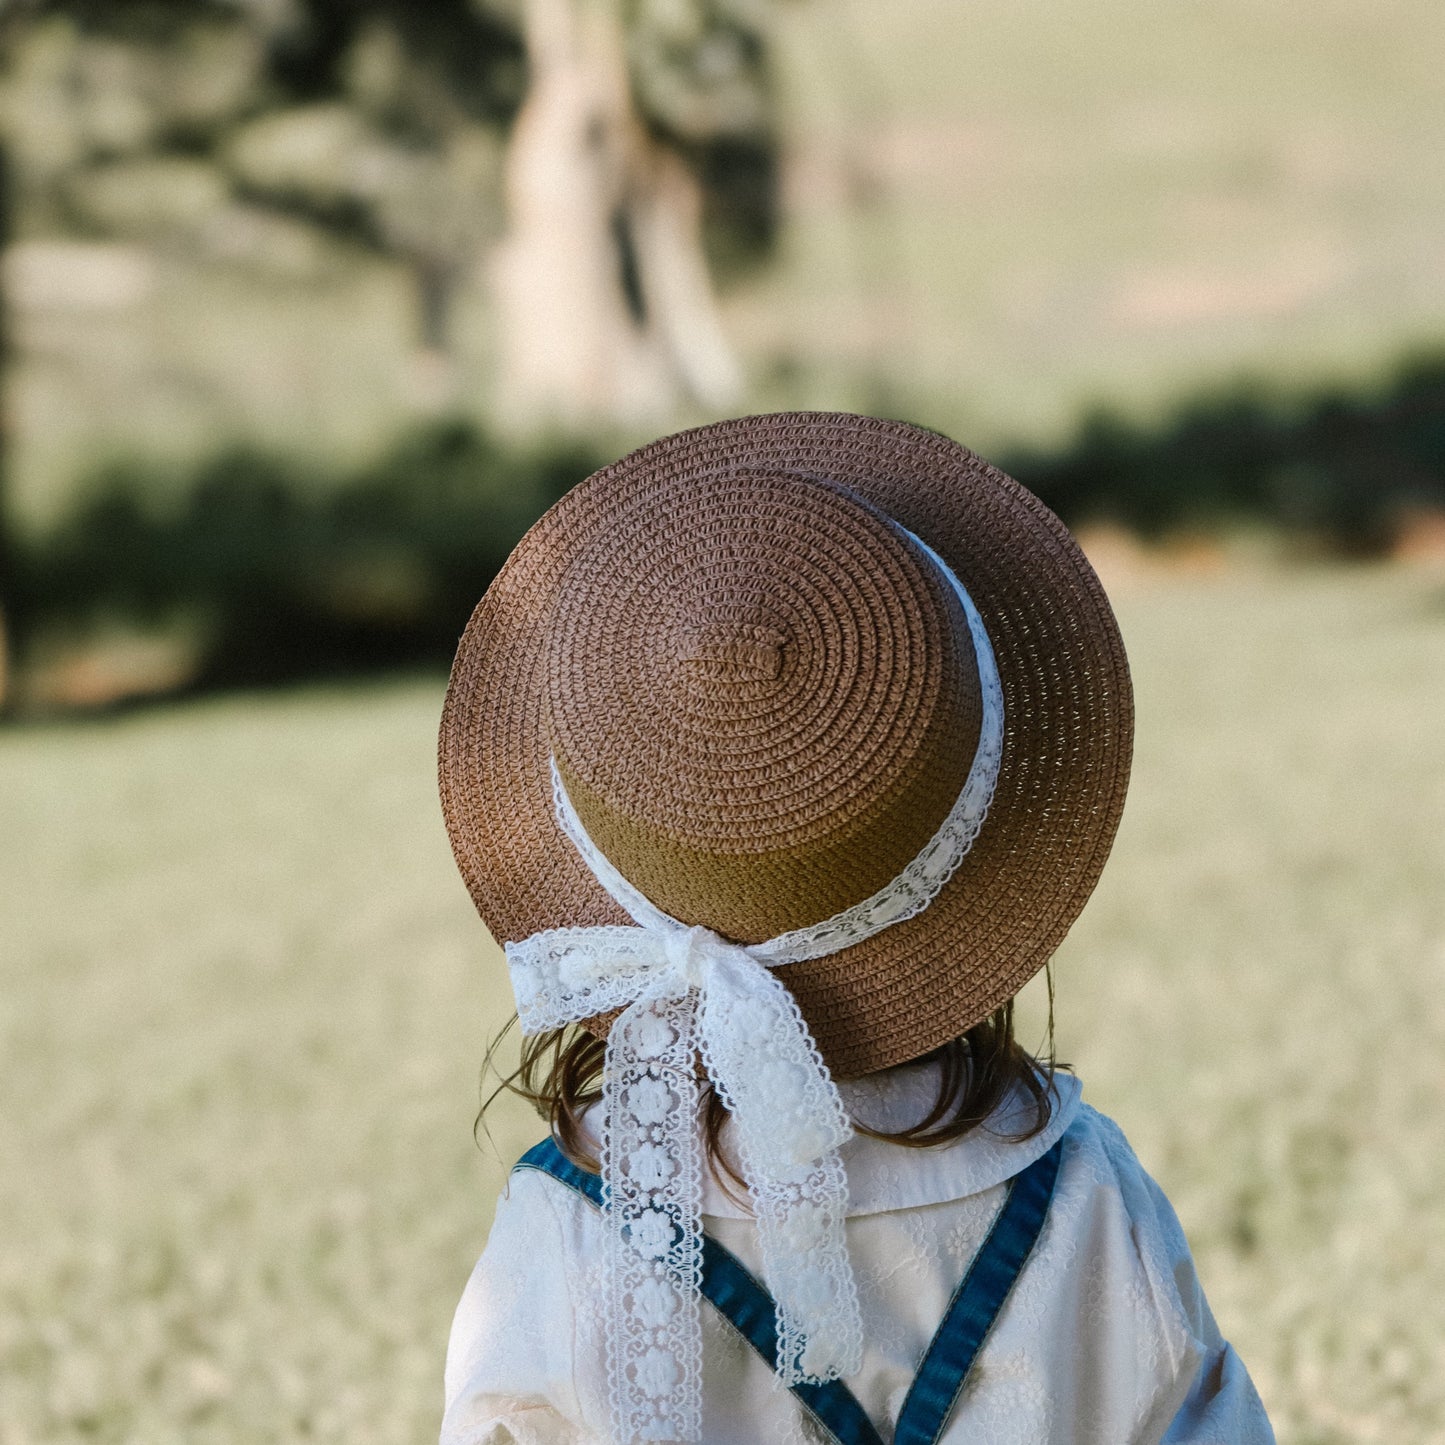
806,1263
652,1181
790,1121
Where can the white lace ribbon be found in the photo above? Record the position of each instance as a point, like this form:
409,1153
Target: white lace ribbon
686,992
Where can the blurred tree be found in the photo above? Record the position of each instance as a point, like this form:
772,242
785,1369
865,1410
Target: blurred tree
635,111
7,546
596,164
632,139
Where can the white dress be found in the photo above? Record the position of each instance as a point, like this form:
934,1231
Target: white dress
1106,1339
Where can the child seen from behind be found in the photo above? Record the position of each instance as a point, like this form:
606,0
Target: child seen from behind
781,754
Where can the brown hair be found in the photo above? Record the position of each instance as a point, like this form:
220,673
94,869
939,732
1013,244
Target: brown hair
560,1075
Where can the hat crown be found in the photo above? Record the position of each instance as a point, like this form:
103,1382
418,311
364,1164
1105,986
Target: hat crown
762,698
732,645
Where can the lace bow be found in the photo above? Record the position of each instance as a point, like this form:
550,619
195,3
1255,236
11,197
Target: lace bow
686,992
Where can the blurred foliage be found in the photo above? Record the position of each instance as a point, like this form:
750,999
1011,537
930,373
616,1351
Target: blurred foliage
286,575
1337,469
380,122
281,220
286,578
702,77
218,127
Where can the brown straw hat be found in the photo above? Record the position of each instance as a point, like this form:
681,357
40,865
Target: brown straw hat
763,700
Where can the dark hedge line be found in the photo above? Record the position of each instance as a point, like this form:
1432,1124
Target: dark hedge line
292,577
288,575
1340,469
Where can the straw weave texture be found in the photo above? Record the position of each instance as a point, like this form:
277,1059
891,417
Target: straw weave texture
763,701
756,698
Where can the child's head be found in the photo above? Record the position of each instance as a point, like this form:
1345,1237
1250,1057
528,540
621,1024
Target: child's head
747,653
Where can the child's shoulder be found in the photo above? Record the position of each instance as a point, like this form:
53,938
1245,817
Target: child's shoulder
1102,1176
1095,1144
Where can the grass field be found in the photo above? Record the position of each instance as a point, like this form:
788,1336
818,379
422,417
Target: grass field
244,998
1003,213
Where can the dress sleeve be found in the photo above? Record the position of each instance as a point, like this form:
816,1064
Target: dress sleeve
1218,1404
509,1370
1222,1406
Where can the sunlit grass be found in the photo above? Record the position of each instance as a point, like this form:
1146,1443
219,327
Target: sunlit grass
244,999
1004,214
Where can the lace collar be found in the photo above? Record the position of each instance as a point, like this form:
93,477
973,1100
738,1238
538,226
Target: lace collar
883,1176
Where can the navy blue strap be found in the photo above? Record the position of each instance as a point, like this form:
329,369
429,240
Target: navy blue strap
976,1304
549,1159
739,1298
749,1308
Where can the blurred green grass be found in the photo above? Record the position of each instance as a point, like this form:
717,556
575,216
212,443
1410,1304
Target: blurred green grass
1004,214
245,998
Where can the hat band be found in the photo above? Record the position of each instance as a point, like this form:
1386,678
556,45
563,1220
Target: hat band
905,895
686,992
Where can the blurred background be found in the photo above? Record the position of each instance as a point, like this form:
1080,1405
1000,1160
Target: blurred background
309,307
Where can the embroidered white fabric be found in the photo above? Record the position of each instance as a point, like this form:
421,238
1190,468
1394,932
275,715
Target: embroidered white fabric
1106,1338
686,992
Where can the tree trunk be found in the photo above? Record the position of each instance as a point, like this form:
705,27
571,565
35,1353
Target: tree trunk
605,305
7,546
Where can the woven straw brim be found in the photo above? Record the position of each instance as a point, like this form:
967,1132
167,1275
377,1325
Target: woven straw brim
1068,735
